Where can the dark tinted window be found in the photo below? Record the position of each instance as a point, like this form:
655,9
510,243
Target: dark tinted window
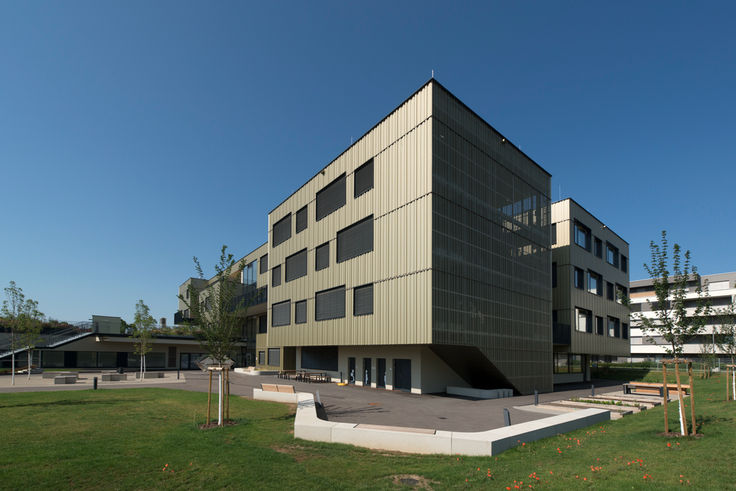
364,178
322,256
331,197
262,324
301,219
276,276
274,357
281,231
264,264
281,314
363,300
300,312
320,357
330,304
355,240
296,265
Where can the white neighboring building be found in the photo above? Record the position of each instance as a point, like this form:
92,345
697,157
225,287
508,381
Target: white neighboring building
722,290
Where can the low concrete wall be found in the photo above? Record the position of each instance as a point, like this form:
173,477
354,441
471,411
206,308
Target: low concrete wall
308,426
263,395
480,393
246,371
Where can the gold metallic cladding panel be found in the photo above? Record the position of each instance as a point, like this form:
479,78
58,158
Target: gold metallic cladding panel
398,266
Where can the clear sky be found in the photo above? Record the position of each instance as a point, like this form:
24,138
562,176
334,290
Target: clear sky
135,135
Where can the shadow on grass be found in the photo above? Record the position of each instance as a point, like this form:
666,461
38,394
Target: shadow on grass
67,402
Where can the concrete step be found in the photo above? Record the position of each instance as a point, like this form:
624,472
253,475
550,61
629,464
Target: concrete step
626,399
617,412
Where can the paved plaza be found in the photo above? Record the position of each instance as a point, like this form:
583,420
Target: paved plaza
352,404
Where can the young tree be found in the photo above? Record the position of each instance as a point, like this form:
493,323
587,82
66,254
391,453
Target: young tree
143,325
24,320
217,312
726,334
671,320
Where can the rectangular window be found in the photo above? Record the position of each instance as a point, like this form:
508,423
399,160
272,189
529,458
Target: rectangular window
300,312
579,278
582,236
262,324
264,264
595,283
301,219
609,290
281,231
322,256
599,325
250,273
261,357
320,358
611,254
363,300
281,314
598,248
363,178
621,293
355,240
613,327
274,357
296,265
584,320
554,275
625,331
331,198
624,264
276,276
329,304
553,234
560,363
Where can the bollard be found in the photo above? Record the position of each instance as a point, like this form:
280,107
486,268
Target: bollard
592,390
536,397
94,383
506,417
177,374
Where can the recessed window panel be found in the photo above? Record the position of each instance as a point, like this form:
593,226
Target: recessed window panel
363,300
300,312
296,265
276,276
364,178
355,240
301,219
322,256
274,357
330,304
281,231
264,264
330,198
281,314
582,236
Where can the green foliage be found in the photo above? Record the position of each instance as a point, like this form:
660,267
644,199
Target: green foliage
671,320
726,337
143,324
22,316
218,310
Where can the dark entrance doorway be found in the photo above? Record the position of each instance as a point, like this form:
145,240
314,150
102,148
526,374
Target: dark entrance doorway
367,372
351,370
402,374
289,358
381,372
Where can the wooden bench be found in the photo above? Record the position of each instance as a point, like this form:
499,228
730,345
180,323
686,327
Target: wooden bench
65,379
287,389
653,388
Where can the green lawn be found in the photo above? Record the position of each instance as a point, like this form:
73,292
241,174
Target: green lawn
149,438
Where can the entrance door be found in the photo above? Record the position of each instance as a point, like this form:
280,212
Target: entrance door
402,374
289,358
367,372
381,373
351,370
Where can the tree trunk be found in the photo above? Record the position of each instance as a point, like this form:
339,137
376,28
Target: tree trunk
12,366
30,362
220,399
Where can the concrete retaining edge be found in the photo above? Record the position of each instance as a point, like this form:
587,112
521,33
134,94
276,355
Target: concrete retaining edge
308,426
262,395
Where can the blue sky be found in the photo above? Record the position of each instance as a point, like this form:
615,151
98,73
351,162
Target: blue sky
135,135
